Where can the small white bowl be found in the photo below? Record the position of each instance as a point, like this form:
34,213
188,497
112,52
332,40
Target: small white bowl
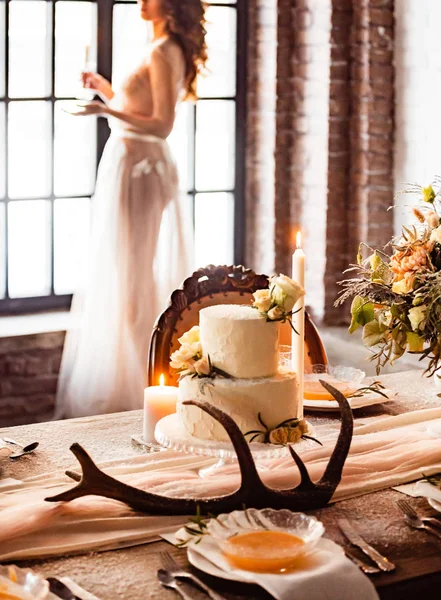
305,527
23,584
337,373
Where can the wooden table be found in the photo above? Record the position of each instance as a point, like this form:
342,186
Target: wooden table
130,574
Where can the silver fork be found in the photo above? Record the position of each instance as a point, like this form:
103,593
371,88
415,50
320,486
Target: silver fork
413,520
407,508
174,569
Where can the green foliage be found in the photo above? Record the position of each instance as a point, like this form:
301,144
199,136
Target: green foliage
362,312
373,333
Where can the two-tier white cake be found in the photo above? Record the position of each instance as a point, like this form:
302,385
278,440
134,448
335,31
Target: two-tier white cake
240,342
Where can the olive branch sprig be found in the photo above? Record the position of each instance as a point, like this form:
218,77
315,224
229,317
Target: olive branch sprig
434,480
197,528
376,387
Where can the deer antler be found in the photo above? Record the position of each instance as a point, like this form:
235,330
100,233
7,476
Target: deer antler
252,491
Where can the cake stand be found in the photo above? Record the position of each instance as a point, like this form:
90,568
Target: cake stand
171,434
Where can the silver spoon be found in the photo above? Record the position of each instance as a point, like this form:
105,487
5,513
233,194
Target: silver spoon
25,450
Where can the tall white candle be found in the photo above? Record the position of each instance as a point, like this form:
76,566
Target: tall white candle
159,401
298,320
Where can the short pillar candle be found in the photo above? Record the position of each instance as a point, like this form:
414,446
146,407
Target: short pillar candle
159,401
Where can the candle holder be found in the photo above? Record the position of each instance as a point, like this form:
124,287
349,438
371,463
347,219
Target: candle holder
149,447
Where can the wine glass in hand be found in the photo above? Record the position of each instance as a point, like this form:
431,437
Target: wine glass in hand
97,83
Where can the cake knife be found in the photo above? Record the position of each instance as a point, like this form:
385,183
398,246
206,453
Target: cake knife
356,540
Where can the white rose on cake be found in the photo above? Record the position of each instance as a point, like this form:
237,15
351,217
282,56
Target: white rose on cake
182,358
286,292
189,352
262,300
192,336
275,314
202,366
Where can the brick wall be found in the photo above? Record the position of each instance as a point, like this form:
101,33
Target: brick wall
29,367
327,125
260,155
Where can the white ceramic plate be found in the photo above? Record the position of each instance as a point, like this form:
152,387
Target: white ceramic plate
198,560
331,405
435,504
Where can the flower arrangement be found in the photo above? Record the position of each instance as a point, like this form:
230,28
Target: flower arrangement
290,431
277,302
396,293
188,360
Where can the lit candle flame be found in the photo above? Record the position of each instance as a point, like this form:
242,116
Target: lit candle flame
162,381
299,240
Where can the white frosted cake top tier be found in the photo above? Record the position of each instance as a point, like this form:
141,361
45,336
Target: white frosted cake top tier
239,340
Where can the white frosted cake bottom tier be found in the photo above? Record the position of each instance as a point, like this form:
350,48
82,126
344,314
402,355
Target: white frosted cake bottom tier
275,398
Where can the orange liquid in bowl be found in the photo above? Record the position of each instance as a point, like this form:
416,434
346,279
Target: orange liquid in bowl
314,390
263,551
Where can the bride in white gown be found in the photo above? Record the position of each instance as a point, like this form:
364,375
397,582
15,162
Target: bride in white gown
141,236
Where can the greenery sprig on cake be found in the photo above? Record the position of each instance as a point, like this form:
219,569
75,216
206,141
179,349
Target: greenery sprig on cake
277,302
396,291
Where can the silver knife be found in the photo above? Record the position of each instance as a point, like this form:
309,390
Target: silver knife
368,569
355,538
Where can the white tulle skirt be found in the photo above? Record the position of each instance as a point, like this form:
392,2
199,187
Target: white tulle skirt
141,249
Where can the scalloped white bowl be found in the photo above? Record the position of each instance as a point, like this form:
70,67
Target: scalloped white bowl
307,528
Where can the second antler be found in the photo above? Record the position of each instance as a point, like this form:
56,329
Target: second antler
252,493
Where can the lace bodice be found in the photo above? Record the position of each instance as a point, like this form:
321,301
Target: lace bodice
135,92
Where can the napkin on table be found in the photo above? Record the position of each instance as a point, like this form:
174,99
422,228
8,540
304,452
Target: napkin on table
420,489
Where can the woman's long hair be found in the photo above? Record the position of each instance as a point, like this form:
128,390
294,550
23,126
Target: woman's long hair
186,26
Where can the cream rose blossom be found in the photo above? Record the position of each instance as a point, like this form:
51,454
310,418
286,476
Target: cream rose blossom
275,313
192,336
262,300
181,358
286,292
202,366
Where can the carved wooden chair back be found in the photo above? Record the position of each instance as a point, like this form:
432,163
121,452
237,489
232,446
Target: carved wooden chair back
206,287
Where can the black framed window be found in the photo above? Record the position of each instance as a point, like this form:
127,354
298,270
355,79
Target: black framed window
48,159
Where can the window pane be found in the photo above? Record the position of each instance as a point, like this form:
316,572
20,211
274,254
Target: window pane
2,45
215,145
179,141
29,48
130,36
214,229
29,149
75,153
221,65
29,248
2,251
2,150
71,221
75,46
